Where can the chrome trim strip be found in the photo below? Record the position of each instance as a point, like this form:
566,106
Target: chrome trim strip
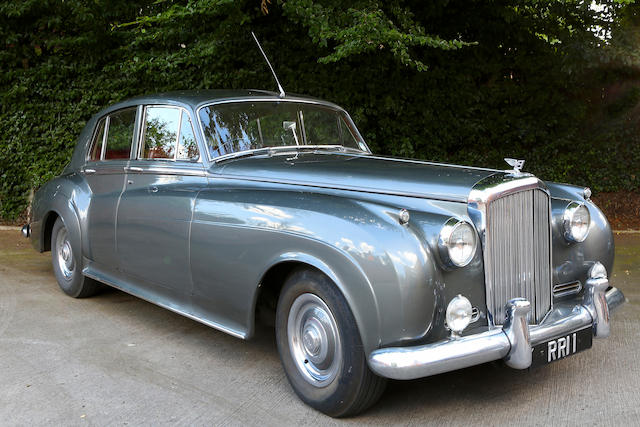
424,162
107,280
173,170
105,168
286,150
430,196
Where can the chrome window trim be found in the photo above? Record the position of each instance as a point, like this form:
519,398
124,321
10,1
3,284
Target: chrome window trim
87,156
276,100
177,142
494,187
105,133
170,169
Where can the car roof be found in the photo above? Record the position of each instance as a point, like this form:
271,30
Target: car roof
196,98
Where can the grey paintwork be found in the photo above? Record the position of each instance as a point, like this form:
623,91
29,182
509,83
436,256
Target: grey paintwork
198,237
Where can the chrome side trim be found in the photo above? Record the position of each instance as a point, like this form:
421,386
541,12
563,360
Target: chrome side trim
170,170
100,168
104,278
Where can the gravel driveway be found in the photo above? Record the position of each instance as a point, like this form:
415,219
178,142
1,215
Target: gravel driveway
116,360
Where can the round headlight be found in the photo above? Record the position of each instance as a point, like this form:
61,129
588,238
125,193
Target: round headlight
457,242
576,220
459,313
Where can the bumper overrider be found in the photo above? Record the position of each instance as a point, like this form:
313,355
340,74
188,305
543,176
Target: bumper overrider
513,342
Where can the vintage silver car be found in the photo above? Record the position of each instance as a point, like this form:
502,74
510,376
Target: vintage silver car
233,206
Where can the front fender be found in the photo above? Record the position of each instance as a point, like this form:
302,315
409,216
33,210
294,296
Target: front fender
572,260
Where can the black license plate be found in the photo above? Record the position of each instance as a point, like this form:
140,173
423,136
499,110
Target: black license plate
561,347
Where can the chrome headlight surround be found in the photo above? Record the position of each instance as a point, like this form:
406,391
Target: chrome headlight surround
457,243
576,221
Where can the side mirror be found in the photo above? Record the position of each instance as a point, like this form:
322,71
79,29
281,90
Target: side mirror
289,126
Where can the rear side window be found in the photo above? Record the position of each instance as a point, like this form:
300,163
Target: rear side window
96,145
120,134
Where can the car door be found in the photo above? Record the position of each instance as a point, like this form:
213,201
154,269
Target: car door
155,209
104,173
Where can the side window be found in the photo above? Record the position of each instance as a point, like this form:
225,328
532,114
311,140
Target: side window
187,145
160,133
168,135
96,145
348,140
120,134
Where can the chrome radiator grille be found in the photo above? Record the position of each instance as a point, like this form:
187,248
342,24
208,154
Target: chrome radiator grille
517,253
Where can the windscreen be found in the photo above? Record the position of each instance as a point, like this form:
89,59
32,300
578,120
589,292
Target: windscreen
234,127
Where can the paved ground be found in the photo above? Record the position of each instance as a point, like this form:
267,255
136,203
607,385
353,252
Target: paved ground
117,360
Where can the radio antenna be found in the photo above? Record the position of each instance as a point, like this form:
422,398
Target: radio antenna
282,94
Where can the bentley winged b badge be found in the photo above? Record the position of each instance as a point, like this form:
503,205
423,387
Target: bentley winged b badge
515,164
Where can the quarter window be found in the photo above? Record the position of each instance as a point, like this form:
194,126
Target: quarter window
120,134
187,147
96,145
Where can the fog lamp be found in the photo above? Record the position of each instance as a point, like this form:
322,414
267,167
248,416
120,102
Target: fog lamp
459,313
576,221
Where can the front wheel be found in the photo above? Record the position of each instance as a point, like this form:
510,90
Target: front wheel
320,347
67,264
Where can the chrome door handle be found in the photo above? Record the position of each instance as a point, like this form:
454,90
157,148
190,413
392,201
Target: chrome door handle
89,171
132,169
154,189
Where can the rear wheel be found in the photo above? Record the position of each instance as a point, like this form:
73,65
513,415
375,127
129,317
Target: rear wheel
320,347
67,264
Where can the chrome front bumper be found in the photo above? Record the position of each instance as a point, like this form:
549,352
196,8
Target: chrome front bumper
512,342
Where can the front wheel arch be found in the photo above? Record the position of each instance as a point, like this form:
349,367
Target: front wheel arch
358,294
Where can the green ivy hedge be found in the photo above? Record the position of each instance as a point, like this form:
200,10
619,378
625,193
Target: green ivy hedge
489,85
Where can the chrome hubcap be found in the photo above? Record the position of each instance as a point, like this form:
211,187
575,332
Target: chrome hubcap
314,340
65,254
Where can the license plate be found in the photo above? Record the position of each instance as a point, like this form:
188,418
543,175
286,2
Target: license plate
561,347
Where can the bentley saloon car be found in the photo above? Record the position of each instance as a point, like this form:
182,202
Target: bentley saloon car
233,207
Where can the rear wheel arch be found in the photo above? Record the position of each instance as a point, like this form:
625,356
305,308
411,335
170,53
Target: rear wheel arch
64,208
47,227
